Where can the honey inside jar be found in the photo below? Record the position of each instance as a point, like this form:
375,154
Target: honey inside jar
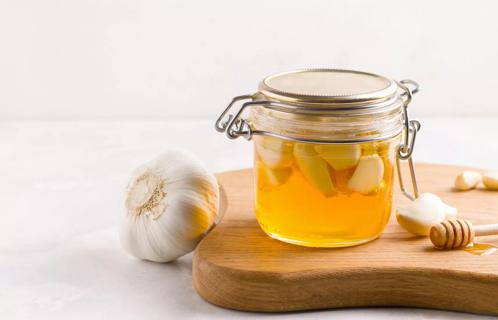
323,195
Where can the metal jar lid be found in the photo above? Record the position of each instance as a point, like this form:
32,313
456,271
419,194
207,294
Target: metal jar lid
328,88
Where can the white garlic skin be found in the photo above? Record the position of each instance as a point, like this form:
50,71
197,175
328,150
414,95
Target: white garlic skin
171,204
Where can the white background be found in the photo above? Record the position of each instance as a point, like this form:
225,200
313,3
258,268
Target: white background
167,59
90,89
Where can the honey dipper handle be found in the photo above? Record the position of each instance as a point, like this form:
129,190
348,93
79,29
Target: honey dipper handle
486,229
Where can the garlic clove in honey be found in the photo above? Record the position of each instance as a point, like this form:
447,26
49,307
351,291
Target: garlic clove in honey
490,180
278,176
340,156
171,204
467,180
427,210
274,152
314,168
368,174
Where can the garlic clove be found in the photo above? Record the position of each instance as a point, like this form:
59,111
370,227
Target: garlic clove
274,152
314,168
368,174
171,204
276,177
490,180
417,224
340,156
427,210
467,180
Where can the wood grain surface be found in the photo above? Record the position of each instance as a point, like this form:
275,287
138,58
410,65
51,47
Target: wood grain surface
238,266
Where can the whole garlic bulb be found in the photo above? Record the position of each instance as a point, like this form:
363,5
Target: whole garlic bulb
172,202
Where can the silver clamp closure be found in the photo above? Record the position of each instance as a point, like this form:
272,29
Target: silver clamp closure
405,149
234,126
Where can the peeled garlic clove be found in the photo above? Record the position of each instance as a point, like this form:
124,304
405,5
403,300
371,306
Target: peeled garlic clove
467,180
368,174
490,180
274,152
424,212
276,177
340,156
426,202
314,168
415,223
171,204
427,199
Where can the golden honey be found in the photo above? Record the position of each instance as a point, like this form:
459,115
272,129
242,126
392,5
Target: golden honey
481,249
306,193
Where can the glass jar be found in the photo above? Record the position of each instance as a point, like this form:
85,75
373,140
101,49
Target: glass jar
326,143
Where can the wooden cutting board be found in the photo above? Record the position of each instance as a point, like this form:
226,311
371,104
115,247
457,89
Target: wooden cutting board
238,266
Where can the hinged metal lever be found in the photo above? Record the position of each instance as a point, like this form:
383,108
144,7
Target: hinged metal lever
239,127
405,149
221,123
406,154
235,126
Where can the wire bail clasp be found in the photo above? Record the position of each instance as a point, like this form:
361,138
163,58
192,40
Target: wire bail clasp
233,125
405,149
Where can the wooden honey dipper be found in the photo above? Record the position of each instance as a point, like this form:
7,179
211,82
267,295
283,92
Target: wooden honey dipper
458,233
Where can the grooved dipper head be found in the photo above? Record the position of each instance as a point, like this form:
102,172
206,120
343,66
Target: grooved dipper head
452,234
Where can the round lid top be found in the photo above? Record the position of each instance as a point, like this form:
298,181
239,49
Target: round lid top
328,86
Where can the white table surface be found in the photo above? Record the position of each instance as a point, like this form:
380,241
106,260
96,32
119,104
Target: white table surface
61,194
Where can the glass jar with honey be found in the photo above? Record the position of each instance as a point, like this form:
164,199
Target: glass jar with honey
326,143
